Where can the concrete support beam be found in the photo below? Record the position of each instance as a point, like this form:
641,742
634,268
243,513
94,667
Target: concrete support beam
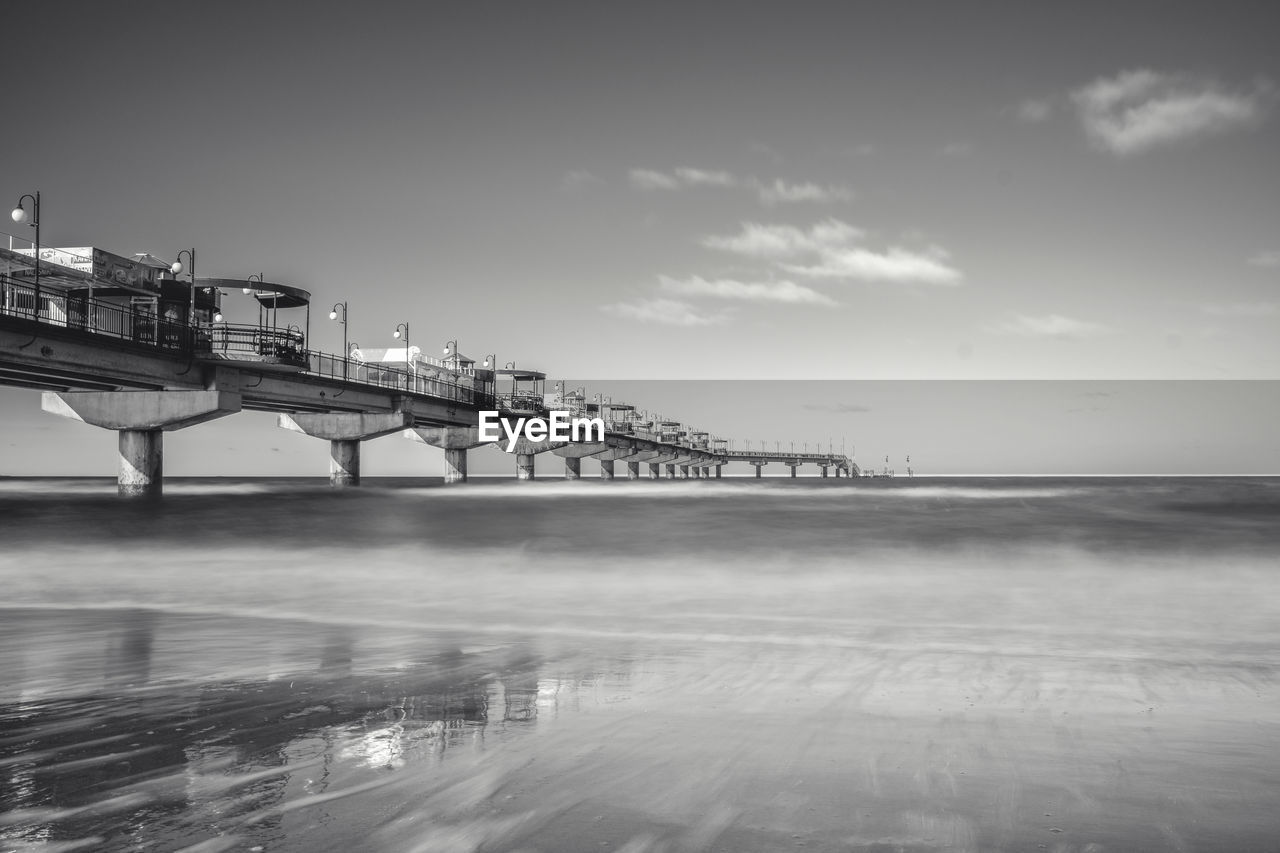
141,410
346,426
633,470
793,466
718,467
573,467
671,471
759,466
655,470
606,469
684,472
141,418
824,470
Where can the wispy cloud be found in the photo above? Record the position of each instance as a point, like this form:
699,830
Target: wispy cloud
1143,109
578,180
1268,259
785,241
1033,110
776,192
703,178
1240,309
781,192
894,264
747,291
828,250
838,408
1051,326
648,179
666,312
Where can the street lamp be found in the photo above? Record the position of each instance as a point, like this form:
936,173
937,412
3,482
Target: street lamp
256,277
510,365
346,347
490,361
20,215
176,269
402,330
451,349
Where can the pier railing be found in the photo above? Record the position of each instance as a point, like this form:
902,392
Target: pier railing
98,316
21,300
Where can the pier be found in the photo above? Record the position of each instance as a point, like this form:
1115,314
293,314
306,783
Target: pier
129,345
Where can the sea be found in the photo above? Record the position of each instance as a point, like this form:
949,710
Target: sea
1074,665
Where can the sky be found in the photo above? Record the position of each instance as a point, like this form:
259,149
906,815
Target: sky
672,191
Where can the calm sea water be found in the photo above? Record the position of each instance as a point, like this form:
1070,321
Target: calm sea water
738,665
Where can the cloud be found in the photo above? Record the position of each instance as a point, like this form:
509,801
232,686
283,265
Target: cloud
827,251
1240,309
667,312
785,241
769,291
1033,110
777,192
780,192
647,179
1268,259
1051,326
577,180
838,408
1143,109
895,264
703,178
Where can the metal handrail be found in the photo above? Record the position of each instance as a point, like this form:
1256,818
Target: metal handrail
120,322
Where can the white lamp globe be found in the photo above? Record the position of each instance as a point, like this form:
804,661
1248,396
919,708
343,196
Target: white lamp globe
19,215
333,315
396,334
175,267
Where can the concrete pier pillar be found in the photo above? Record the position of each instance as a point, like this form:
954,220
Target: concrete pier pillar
824,470
793,469
718,467
758,466
671,471
573,468
141,463
454,441
524,466
606,469
455,465
139,417
655,470
633,470
684,472
344,462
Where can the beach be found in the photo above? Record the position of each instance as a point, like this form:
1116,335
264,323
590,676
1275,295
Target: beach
1068,664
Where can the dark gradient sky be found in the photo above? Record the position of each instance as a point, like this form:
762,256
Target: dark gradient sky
729,191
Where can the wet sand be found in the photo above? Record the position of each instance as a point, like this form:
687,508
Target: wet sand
305,736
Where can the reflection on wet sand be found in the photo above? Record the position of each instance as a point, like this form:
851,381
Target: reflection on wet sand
303,736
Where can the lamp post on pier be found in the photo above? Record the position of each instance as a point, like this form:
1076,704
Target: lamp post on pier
451,349
176,269
402,330
346,347
20,215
